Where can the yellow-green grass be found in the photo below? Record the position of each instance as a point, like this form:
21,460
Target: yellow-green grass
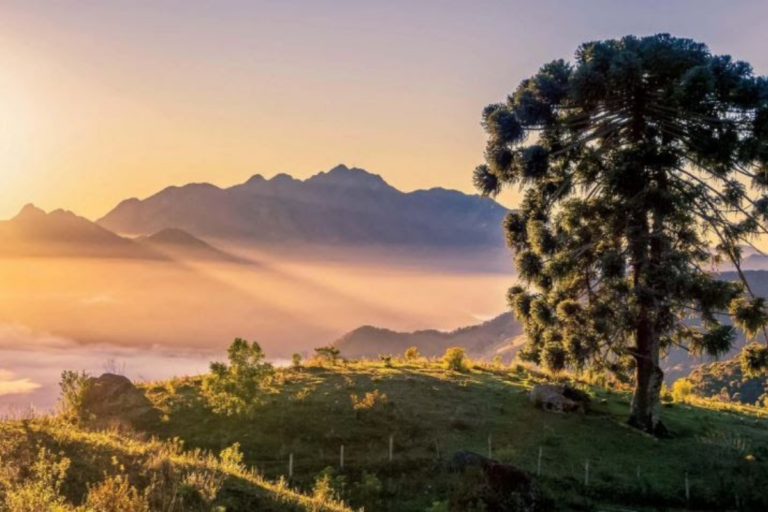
722,450
96,455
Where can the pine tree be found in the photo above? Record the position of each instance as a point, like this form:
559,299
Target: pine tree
642,165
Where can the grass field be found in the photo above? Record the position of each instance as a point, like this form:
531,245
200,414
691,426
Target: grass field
431,413
428,413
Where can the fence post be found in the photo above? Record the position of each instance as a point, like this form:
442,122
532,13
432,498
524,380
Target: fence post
437,448
290,466
687,490
490,447
391,446
341,458
586,473
538,462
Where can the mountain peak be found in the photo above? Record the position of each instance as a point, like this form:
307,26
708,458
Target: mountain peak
255,180
346,176
30,211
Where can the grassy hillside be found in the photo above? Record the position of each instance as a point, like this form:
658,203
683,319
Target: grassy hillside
429,412
47,465
432,413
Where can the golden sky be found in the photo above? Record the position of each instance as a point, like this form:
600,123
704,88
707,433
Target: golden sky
100,101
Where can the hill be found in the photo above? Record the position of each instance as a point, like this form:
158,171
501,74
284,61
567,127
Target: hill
341,206
427,414
179,244
503,336
725,381
500,336
60,233
49,465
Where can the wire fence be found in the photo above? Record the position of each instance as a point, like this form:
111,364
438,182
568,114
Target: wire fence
589,475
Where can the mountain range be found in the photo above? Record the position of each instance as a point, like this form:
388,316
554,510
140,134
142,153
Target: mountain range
344,206
61,233
503,336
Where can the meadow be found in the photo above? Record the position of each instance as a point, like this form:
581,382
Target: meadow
291,442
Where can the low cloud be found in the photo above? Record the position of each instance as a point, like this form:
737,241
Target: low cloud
32,363
10,385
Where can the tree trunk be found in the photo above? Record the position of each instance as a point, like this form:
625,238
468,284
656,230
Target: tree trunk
645,411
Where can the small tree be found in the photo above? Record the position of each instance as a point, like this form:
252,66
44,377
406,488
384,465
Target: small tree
455,359
73,386
237,387
412,354
681,390
296,360
328,354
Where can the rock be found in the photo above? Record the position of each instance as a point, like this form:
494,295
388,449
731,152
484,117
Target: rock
501,486
114,398
559,398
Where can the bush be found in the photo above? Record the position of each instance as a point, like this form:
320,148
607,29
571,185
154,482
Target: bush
328,354
296,361
41,491
386,361
116,494
412,354
455,359
238,387
681,389
73,386
371,400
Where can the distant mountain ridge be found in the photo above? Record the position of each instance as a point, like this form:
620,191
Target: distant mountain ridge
500,336
340,206
178,243
504,336
61,233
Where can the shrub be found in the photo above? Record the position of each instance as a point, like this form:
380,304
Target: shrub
328,354
116,494
296,361
681,389
328,485
369,488
386,361
73,386
238,387
42,490
455,359
371,400
412,354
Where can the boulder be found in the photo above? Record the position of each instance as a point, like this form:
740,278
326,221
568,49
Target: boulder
501,487
114,398
559,398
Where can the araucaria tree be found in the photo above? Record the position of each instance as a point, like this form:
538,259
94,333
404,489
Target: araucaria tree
641,165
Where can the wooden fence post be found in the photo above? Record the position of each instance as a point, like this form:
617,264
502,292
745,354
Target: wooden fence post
290,466
586,473
341,458
391,446
538,462
490,447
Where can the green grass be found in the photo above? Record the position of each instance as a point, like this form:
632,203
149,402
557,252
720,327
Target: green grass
94,456
429,409
431,413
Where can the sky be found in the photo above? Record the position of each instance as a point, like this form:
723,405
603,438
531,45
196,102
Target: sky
101,101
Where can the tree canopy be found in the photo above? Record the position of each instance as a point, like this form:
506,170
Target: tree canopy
642,165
